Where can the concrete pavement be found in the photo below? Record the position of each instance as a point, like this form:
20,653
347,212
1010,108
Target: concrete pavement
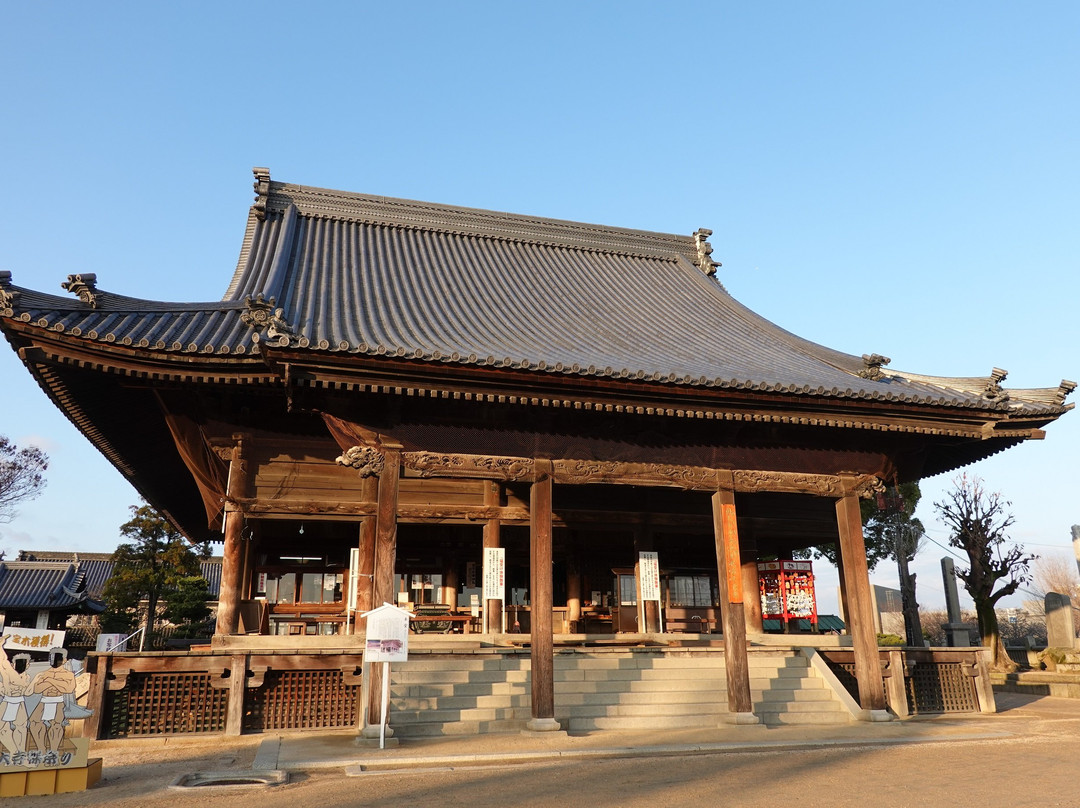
1018,716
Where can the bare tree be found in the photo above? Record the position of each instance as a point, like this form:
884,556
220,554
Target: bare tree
996,568
22,476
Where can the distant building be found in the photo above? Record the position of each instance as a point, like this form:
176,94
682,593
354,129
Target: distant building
45,589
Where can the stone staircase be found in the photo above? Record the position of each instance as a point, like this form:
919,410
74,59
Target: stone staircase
602,689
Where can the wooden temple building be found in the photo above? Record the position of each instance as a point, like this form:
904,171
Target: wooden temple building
408,385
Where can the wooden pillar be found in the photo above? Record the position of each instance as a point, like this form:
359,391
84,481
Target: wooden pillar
493,609
383,584
859,618
751,597
98,667
386,530
450,585
573,586
232,555
729,569
365,578
541,644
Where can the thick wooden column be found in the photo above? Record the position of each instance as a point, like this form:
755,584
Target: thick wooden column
859,608
386,530
493,609
232,555
365,577
540,600
729,569
383,585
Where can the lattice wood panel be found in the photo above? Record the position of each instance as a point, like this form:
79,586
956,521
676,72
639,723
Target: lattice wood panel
302,700
941,687
166,703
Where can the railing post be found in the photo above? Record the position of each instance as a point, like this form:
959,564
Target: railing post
234,718
895,684
98,667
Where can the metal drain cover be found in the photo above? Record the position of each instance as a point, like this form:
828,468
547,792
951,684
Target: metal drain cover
231,779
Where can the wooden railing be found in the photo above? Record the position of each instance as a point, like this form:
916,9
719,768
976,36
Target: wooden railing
221,692
924,680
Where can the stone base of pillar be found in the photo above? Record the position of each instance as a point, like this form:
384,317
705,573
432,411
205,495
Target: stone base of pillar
741,719
373,743
372,730
542,725
957,635
876,715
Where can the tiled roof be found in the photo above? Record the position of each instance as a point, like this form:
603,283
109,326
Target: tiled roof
53,585
95,569
326,271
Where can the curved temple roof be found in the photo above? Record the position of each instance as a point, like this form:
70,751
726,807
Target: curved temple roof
341,273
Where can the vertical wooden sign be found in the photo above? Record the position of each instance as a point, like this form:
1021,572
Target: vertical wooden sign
731,553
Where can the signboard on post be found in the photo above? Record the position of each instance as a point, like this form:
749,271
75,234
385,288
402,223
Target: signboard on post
387,638
494,573
386,641
650,576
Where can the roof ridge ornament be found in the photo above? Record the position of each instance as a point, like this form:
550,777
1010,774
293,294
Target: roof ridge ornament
1064,389
262,191
266,319
84,286
9,297
704,250
994,390
873,365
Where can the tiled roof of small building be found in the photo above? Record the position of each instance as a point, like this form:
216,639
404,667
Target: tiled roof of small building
96,568
52,585
327,271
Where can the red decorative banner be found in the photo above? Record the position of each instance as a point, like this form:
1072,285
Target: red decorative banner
731,553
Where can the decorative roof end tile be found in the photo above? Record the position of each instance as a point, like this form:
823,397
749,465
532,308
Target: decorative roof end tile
1064,389
994,391
263,316
9,298
262,191
704,250
85,286
874,363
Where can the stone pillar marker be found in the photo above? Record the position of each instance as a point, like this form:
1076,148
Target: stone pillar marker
1076,544
1059,622
957,634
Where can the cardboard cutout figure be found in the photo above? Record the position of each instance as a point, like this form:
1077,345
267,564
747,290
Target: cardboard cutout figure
55,685
14,685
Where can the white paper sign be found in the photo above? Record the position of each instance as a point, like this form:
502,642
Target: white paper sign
354,574
649,569
494,573
387,637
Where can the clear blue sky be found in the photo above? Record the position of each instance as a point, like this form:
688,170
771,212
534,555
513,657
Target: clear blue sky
898,178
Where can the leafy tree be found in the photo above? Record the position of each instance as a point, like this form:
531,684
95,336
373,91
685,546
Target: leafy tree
187,606
979,523
889,526
146,568
22,476
890,530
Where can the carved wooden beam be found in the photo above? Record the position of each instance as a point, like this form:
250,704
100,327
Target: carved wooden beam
587,472
786,482
484,467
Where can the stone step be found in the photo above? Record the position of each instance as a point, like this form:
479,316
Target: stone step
573,724
458,728
803,719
